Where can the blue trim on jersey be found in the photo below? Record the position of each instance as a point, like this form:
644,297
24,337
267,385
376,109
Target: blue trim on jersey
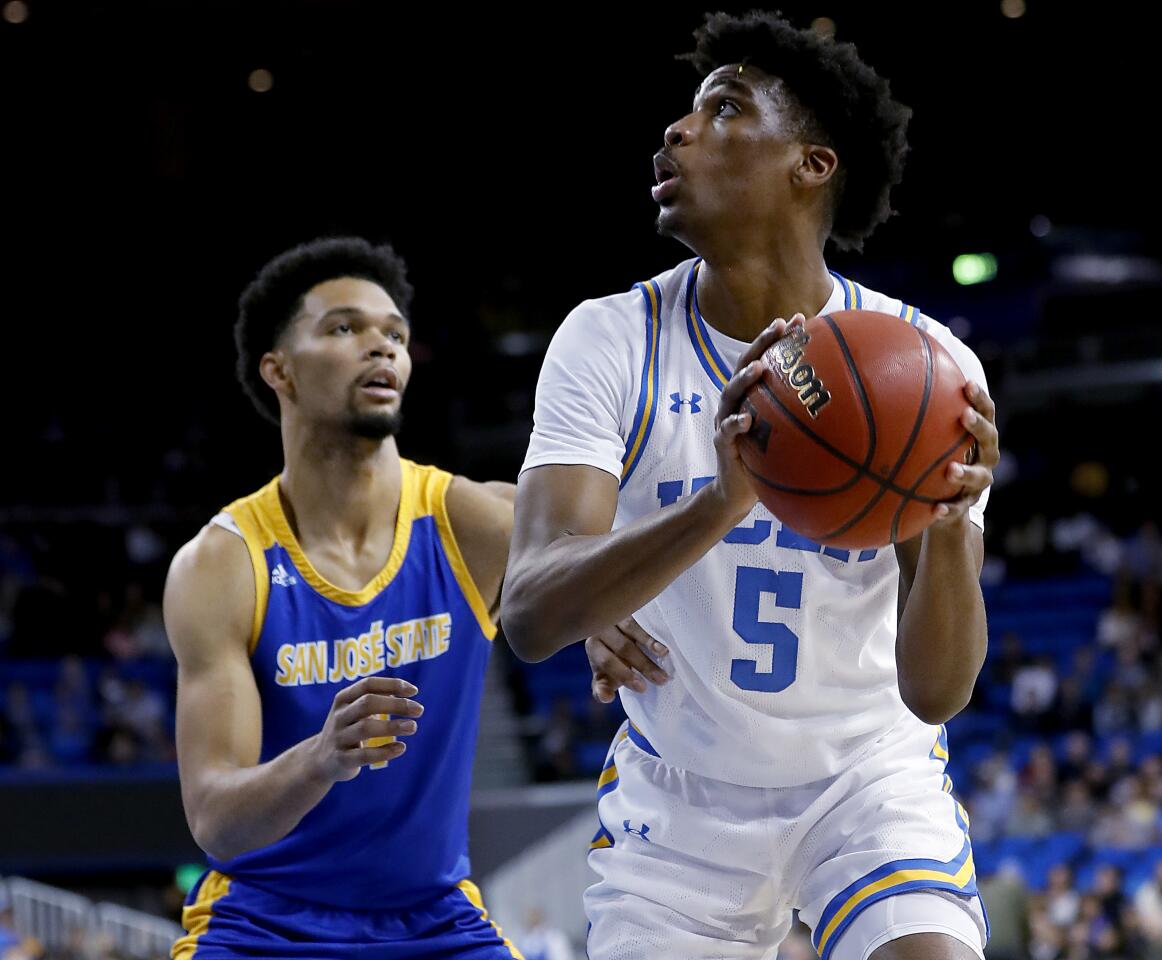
847,285
909,313
957,875
716,368
647,401
639,739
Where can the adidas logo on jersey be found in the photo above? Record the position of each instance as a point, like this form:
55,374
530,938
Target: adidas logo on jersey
678,402
279,576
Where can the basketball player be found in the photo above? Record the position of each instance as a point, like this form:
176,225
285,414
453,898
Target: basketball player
331,632
795,759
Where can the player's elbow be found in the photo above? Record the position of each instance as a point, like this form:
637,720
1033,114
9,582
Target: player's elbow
518,623
525,625
936,707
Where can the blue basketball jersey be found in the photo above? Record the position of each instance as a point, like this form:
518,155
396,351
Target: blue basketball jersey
396,835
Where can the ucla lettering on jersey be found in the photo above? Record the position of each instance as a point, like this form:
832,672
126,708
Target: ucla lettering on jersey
782,651
421,619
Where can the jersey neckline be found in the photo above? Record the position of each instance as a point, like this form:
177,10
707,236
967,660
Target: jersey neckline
323,586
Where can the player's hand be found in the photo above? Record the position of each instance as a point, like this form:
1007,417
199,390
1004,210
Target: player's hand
357,714
979,419
731,423
621,656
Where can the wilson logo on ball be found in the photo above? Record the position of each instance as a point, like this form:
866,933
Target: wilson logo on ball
799,374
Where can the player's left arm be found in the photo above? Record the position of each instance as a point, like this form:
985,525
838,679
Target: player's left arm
942,636
481,518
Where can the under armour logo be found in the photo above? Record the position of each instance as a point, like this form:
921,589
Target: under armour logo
637,833
676,406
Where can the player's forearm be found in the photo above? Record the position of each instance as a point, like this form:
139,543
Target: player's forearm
233,810
943,633
579,585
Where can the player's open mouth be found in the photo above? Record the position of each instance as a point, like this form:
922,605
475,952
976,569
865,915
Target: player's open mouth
382,382
667,176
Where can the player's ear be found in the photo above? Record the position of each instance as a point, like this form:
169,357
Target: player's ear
816,166
273,370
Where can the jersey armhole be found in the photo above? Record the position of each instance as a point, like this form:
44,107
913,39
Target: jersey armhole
439,503
229,522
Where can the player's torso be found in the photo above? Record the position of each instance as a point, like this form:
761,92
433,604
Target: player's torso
783,651
419,619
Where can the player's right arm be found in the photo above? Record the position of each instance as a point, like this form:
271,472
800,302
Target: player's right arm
570,575
233,803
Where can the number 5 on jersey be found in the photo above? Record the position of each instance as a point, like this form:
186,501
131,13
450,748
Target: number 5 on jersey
787,589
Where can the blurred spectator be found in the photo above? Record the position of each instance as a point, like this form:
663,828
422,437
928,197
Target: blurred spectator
1113,713
1142,555
1046,941
1006,901
27,742
1148,904
1062,901
1072,710
1121,622
1033,693
556,759
1029,818
538,940
1107,890
993,799
1077,811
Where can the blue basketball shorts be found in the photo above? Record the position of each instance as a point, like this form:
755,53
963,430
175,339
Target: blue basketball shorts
226,919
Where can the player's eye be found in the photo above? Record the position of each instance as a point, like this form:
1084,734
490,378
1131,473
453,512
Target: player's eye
397,336
341,328
725,106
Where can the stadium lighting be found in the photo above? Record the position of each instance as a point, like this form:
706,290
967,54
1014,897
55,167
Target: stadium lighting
970,268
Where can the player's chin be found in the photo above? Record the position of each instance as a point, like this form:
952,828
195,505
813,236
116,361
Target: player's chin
375,424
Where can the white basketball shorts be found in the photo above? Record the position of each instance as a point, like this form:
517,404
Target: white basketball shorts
699,869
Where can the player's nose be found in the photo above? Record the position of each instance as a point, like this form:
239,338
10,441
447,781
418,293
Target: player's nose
679,132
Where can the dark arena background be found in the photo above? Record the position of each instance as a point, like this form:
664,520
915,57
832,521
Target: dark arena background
155,155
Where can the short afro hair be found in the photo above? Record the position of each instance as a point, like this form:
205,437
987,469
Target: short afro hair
275,297
847,104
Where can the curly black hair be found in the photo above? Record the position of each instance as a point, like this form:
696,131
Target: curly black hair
842,103
275,297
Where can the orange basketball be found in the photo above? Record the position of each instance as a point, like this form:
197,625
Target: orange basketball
854,422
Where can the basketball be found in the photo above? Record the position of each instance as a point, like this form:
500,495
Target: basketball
854,421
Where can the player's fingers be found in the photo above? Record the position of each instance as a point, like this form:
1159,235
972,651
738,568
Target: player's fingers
376,685
604,690
604,661
974,479
981,401
371,727
776,331
632,629
630,652
371,704
365,755
736,389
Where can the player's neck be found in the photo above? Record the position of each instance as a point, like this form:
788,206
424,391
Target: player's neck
741,291
343,488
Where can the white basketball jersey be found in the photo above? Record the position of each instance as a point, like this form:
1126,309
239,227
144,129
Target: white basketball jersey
782,652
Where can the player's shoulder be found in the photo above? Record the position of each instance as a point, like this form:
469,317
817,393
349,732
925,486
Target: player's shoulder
211,580
478,509
621,314
911,313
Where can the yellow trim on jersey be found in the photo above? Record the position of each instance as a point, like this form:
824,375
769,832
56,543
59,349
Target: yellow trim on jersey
258,534
601,843
271,505
608,775
433,486
196,917
472,892
961,879
651,387
706,351
938,751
